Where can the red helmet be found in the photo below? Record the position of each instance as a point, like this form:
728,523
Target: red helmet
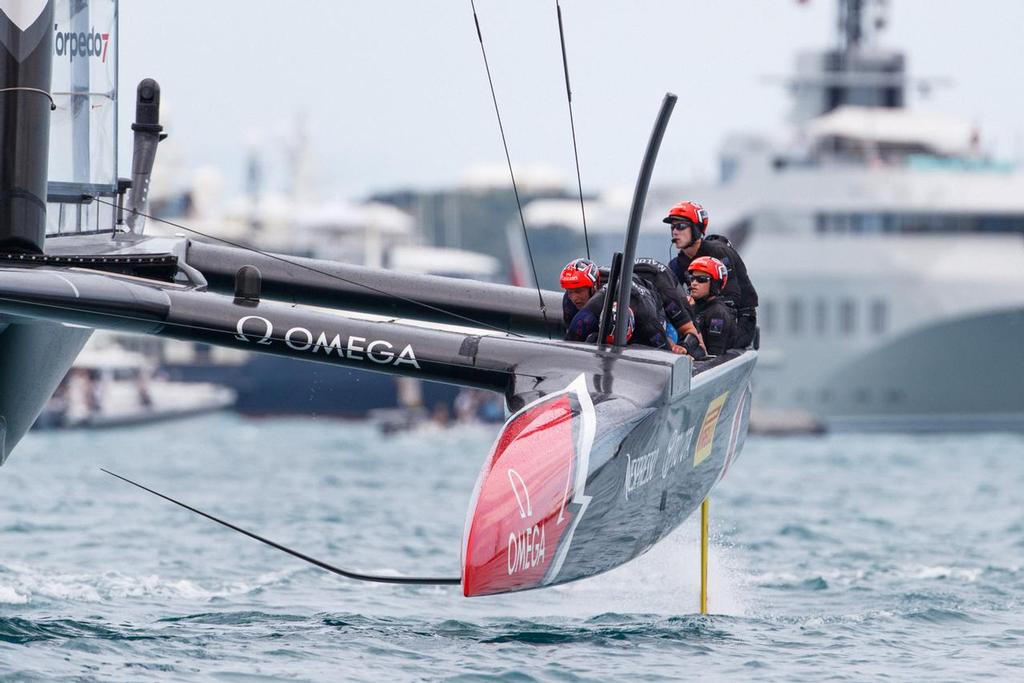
630,324
713,267
689,211
579,273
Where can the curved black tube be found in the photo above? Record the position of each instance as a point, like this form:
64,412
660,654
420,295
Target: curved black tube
637,211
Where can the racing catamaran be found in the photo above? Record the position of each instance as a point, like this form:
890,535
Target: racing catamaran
607,449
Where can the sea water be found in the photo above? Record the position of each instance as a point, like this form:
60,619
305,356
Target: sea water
844,557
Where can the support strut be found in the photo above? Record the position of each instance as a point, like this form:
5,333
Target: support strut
704,557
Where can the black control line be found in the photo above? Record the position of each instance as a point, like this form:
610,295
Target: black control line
572,124
508,158
414,580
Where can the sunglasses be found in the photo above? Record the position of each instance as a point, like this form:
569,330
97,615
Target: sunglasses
703,279
681,225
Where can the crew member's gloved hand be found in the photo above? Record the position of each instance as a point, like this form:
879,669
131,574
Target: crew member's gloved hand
693,348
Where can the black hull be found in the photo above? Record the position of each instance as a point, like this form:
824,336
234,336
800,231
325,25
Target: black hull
582,481
633,510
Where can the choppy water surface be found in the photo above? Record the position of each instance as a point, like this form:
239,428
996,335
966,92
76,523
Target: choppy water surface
844,557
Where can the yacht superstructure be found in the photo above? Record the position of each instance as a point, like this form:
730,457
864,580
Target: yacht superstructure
886,248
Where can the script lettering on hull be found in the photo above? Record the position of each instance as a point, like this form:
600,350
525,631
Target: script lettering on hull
639,471
678,445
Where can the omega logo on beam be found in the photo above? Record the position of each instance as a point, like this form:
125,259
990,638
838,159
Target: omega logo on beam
378,351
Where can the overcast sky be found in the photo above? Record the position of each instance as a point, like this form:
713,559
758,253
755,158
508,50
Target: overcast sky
395,93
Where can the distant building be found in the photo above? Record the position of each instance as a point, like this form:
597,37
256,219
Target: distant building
480,214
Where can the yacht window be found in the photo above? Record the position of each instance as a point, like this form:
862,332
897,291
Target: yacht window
821,316
847,316
871,222
879,316
1008,223
907,222
796,316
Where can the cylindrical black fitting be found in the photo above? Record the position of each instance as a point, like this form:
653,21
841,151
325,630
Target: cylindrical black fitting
248,283
147,106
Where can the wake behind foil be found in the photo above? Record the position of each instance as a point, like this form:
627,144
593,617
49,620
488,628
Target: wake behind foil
607,449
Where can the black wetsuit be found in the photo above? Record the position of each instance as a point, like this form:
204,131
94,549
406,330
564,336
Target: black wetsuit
660,279
716,323
738,289
648,323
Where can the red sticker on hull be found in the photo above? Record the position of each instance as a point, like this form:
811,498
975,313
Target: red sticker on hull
523,499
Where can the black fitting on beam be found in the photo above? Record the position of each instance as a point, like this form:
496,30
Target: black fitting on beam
248,283
147,107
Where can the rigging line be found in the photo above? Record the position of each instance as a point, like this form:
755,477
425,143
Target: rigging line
215,330
508,158
572,124
49,96
282,259
416,580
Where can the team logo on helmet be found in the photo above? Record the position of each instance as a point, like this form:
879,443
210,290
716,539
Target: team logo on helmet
711,266
578,273
702,213
688,211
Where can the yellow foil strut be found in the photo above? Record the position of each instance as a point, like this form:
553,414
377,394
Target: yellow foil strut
704,557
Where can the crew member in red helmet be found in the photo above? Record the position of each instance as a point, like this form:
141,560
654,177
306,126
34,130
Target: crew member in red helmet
689,221
580,279
582,302
660,279
644,314
714,317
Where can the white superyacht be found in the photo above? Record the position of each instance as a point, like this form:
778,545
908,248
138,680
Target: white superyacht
886,248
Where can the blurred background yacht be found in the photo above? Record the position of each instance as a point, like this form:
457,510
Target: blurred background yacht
886,246
110,386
